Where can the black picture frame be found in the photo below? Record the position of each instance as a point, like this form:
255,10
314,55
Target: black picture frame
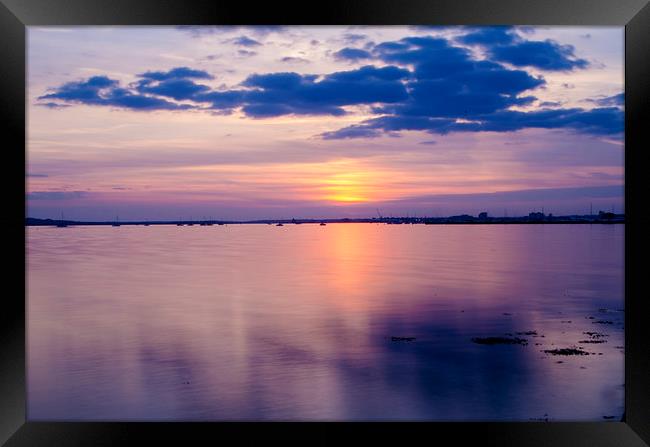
15,15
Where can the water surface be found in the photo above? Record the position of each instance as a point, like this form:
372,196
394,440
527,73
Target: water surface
258,322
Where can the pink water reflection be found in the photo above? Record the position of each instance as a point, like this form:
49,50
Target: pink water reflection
244,322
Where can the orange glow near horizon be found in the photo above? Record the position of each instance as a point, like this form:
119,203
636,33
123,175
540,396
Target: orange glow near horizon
347,187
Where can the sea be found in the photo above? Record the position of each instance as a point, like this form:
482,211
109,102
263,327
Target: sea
341,322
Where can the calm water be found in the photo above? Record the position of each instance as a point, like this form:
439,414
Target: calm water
244,322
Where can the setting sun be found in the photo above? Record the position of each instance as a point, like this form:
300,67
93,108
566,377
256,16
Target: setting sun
348,187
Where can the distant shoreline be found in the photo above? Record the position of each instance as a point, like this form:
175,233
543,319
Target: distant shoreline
534,218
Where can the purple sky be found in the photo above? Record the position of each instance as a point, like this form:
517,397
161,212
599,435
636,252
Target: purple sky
281,122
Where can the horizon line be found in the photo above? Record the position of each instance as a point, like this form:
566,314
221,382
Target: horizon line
484,216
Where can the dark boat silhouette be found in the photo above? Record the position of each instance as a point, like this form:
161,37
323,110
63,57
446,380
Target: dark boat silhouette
322,224
402,338
279,224
117,222
61,223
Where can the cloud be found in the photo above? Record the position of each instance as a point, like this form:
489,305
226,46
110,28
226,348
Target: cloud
208,30
103,91
494,35
126,99
559,193
352,54
450,91
52,105
352,132
371,73
224,100
605,176
430,142
246,53
423,83
600,121
87,92
178,89
504,45
55,195
354,38
545,55
36,175
293,59
276,94
615,100
245,41
523,200
176,73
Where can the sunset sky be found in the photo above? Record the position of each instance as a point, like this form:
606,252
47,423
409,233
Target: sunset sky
315,122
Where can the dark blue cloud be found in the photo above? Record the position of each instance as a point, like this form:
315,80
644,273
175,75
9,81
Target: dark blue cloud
450,91
176,73
178,89
447,82
86,92
375,127
545,55
615,100
432,58
291,93
269,109
226,100
504,45
246,41
602,121
370,73
120,97
426,83
352,54
102,91
277,81
261,95
494,35
608,120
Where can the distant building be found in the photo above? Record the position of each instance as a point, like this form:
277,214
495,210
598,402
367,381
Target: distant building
536,216
461,218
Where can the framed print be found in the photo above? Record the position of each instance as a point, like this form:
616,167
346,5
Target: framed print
389,220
